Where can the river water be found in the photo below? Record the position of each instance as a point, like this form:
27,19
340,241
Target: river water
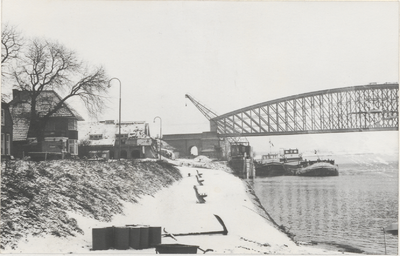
349,209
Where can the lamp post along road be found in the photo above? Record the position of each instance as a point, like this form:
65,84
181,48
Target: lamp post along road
119,119
159,151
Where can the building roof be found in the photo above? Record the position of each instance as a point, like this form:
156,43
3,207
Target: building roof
46,100
110,129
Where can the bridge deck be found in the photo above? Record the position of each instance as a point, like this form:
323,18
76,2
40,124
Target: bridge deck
371,107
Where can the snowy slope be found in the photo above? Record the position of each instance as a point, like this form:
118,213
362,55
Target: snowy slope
176,210
37,197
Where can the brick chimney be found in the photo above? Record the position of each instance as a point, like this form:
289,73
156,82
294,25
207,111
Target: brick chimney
15,94
20,95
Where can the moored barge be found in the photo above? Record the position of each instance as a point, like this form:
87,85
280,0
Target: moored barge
292,163
318,168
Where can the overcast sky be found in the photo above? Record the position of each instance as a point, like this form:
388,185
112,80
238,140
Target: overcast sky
227,55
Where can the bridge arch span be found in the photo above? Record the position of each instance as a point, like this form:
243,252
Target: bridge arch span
372,107
193,150
207,143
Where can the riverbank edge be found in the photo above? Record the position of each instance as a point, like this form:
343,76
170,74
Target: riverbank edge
264,213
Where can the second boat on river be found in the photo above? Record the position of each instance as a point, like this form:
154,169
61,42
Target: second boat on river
292,163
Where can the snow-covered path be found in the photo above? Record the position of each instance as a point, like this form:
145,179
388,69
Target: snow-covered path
176,209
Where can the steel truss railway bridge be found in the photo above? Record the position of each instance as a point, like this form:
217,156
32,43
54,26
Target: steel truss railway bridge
372,107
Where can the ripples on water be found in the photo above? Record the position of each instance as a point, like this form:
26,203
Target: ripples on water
349,209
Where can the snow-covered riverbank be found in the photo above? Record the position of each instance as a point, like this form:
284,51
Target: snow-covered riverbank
175,209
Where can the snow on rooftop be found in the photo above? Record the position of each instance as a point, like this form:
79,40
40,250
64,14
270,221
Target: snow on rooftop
109,129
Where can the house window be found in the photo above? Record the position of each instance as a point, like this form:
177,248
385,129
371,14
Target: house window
3,144
3,117
8,147
95,136
73,147
72,125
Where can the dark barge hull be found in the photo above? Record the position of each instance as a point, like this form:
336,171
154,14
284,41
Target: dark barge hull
319,170
271,170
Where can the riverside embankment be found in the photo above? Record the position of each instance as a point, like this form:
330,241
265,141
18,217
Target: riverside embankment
165,197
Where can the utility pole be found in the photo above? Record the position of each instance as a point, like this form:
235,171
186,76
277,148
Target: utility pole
159,151
119,119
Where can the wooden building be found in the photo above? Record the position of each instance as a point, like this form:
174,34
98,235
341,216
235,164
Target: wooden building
102,140
60,133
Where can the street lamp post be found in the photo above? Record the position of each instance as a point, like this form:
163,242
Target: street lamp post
119,120
159,152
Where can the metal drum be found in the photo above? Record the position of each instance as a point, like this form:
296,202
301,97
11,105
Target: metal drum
121,238
134,237
102,238
154,236
144,237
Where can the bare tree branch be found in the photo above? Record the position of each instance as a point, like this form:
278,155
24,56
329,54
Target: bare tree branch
50,66
11,43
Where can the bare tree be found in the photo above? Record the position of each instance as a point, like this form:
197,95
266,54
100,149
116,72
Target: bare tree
50,66
11,43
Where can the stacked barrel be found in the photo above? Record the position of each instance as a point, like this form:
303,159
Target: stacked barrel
126,237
